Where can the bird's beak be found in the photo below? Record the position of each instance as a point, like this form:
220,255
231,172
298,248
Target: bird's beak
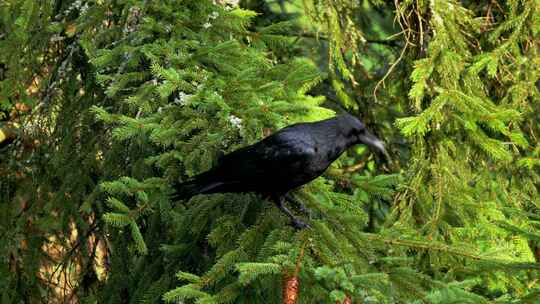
372,141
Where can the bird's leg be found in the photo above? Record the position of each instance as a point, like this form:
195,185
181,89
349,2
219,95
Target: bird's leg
298,203
297,223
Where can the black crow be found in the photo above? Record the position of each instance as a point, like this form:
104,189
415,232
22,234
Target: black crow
281,162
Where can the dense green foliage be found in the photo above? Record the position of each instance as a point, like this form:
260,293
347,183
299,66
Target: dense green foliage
128,96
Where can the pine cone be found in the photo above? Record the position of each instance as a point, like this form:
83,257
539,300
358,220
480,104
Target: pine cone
346,301
290,290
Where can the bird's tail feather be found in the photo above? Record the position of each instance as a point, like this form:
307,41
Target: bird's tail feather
186,190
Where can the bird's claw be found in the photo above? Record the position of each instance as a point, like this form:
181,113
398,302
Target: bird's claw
301,207
299,224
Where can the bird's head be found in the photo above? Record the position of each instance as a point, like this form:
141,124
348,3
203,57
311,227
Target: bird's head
360,135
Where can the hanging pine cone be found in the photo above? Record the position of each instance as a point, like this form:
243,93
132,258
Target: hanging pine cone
290,290
291,282
346,301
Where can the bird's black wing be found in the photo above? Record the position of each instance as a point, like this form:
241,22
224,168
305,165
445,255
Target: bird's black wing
277,162
275,165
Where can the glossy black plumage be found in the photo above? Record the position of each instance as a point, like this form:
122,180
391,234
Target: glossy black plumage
283,161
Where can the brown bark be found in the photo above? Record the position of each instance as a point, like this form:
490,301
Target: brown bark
6,135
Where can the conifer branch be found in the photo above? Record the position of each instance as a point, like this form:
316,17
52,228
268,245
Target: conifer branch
387,42
392,67
291,283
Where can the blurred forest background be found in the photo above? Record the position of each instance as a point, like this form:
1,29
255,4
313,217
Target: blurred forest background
103,104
